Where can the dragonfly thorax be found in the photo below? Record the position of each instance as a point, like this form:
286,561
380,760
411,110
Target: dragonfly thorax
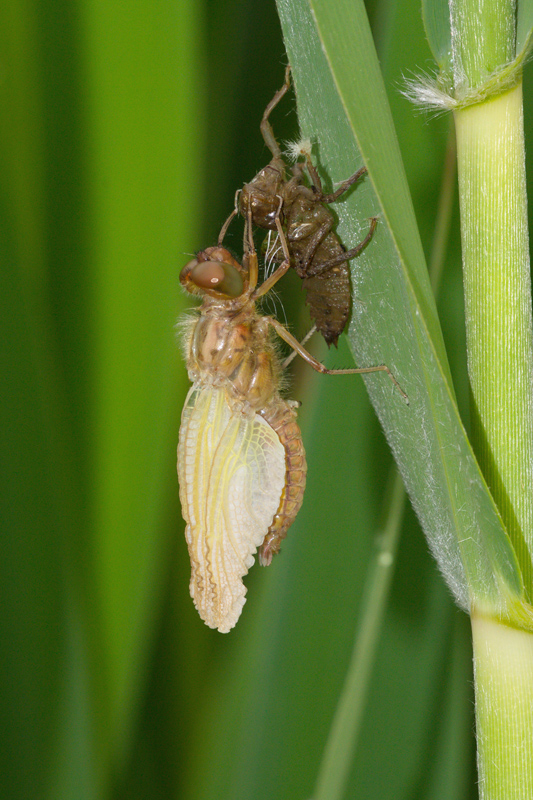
235,353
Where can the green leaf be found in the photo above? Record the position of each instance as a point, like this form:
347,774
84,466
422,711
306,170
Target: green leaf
394,320
142,166
98,192
436,16
524,24
36,508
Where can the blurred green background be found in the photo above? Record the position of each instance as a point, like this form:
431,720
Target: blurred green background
125,131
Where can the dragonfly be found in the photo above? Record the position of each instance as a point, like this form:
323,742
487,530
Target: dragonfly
241,461
316,252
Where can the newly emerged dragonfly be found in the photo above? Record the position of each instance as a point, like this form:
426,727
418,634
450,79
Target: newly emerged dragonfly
316,252
241,461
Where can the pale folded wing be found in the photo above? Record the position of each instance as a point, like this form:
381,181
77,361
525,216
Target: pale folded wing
231,470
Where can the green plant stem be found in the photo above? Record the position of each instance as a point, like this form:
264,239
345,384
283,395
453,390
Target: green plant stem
492,191
443,221
483,38
503,668
336,762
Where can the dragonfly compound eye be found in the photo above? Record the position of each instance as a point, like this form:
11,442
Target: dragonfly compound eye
218,277
213,276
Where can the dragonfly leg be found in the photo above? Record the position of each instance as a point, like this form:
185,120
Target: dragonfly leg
284,266
266,127
297,346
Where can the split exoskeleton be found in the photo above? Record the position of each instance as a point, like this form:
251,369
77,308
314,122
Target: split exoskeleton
315,250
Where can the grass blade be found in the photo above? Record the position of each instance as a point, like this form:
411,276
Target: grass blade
436,16
524,23
396,322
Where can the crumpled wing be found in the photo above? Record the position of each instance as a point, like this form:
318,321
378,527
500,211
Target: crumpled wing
231,470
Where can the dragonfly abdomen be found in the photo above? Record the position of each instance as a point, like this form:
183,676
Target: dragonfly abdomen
281,416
